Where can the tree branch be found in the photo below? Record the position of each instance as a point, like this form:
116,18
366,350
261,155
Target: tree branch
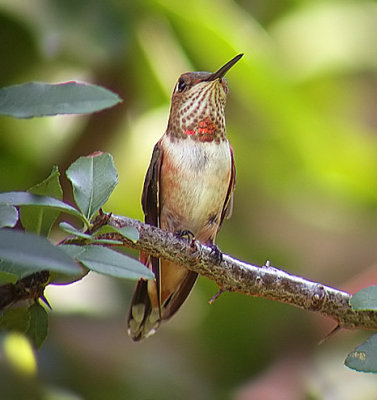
237,276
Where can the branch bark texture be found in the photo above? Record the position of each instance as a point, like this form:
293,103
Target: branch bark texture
236,276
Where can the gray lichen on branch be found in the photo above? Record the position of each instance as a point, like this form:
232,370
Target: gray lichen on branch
236,276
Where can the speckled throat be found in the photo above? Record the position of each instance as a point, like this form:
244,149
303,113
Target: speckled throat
198,114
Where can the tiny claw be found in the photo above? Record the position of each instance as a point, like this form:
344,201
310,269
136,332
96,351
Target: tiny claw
216,296
185,234
192,242
188,235
216,253
196,252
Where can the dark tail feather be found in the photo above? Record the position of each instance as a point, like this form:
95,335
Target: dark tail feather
144,319
174,302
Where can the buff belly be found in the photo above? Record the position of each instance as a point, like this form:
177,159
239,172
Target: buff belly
194,181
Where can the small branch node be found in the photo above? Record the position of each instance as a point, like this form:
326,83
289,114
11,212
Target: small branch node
216,296
330,334
318,298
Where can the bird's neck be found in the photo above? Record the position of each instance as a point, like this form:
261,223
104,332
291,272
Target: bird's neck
199,117
206,127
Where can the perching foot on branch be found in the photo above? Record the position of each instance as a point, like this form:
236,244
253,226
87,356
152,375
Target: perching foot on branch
216,253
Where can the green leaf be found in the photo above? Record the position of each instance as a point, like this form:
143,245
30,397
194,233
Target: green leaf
37,219
65,226
24,253
365,299
8,216
15,318
93,179
28,199
37,99
109,262
38,326
364,357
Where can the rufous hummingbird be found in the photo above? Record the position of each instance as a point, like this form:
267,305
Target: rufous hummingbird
188,188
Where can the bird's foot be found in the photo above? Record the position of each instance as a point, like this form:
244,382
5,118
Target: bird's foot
191,240
185,234
216,253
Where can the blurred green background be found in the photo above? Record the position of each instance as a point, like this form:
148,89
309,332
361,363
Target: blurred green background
301,117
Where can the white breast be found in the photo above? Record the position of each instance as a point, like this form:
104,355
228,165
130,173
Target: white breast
198,174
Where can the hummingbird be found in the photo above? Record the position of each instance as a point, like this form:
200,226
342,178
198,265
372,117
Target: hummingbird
188,188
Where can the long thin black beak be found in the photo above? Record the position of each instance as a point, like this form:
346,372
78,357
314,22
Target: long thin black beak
224,69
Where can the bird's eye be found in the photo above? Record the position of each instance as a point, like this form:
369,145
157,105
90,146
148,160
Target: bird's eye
181,85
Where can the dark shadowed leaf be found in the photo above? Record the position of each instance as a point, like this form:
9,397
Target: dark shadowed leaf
37,99
365,299
7,277
8,216
15,318
38,325
66,227
109,262
29,199
38,219
364,357
24,253
93,179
